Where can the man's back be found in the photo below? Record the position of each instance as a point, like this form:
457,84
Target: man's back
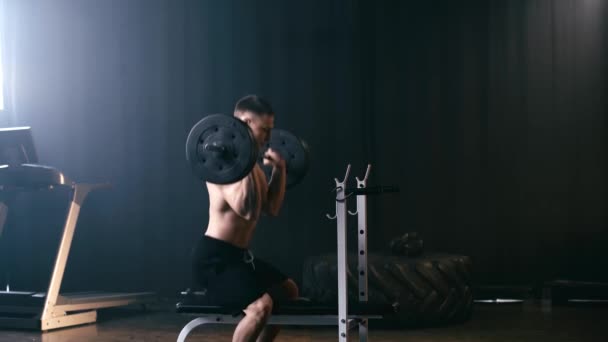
234,208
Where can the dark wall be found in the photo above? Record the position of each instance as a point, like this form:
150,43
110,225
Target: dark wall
490,117
496,117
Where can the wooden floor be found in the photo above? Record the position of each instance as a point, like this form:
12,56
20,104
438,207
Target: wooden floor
491,322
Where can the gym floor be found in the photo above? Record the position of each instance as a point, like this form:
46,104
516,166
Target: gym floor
504,322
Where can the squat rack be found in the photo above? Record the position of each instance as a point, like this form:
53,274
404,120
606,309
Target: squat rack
304,312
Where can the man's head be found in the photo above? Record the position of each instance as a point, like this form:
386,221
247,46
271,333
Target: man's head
258,115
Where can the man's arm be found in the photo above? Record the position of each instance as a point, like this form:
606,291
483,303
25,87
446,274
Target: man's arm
276,185
241,196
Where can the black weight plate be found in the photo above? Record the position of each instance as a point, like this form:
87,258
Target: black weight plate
235,153
293,150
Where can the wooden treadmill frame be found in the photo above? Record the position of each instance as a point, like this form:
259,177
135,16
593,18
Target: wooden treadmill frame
63,310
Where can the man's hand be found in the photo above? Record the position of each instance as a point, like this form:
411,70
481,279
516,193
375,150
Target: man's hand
272,157
276,184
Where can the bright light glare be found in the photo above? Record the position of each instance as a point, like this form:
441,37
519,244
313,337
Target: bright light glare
2,12
1,81
588,301
499,301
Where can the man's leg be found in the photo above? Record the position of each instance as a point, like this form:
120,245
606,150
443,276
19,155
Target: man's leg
256,315
291,292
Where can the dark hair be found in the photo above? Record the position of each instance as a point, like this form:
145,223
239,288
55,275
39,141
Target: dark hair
254,104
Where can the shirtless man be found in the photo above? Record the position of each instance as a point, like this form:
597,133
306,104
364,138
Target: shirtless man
222,264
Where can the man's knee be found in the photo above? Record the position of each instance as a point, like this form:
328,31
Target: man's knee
261,309
291,289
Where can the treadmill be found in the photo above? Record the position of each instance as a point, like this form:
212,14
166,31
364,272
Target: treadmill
19,173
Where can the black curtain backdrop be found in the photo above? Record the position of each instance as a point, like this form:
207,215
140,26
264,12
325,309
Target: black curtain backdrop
490,116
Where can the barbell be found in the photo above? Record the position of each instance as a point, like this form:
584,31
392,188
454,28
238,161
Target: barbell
221,149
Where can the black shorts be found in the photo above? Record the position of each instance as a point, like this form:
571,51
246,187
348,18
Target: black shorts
230,277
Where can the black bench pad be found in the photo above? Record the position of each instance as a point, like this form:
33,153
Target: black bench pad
195,304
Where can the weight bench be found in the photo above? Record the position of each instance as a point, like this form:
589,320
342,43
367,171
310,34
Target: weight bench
51,309
303,311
